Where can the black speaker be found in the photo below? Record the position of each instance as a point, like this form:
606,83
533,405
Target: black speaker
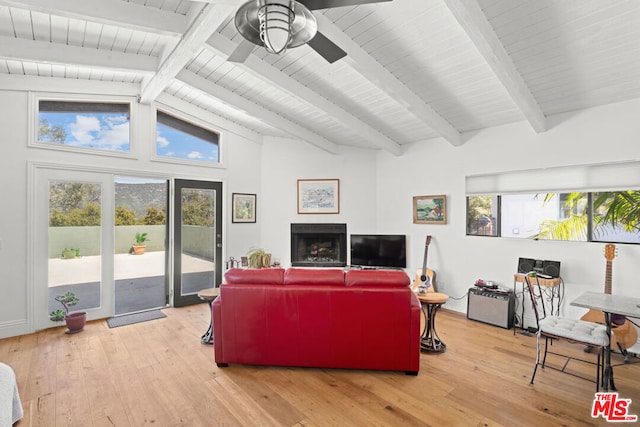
526,265
494,308
551,268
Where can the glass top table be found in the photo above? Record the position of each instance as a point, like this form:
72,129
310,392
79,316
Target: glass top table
613,304
609,305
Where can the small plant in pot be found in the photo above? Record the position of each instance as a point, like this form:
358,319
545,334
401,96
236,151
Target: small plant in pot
70,253
258,258
139,246
75,320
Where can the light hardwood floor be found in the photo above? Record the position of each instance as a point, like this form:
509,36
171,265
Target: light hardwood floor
157,373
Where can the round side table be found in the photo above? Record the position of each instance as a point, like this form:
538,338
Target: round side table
430,341
209,295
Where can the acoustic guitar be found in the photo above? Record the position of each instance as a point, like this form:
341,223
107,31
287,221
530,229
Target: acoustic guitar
624,334
425,278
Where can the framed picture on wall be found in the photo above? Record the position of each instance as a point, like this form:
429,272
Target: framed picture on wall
244,207
318,196
430,209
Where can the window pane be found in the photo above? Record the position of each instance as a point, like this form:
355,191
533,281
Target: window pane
552,216
100,126
140,221
74,243
179,139
616,216
198,239
482,214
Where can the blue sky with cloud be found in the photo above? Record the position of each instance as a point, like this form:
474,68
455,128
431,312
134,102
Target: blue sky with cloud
110,131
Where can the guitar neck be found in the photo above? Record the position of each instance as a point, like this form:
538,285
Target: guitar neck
424,260
607,277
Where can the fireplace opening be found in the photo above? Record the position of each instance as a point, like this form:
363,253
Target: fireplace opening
318,245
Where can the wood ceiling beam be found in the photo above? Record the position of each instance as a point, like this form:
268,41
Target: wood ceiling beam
220,45
53,53
204,24
371,69
267,116
109,12
474,22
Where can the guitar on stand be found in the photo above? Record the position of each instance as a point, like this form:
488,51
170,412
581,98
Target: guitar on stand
425,278
430,300
624,334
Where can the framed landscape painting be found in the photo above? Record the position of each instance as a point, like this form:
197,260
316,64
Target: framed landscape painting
430,209
244,207
318,196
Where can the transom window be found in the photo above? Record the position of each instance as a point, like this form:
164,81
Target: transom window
84,124
184,141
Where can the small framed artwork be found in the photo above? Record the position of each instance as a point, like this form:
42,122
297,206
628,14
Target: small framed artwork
244,207
430,209
318,196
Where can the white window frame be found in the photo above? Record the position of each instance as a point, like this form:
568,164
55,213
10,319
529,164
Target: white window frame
194,121
34,102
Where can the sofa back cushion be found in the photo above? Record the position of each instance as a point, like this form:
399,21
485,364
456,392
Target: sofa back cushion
389,278
317,277
255,276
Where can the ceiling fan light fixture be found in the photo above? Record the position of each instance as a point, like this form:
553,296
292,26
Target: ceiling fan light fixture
276,18
276,24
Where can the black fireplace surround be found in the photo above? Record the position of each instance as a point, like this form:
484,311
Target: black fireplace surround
318,245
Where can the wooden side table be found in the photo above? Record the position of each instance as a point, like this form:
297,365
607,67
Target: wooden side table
430,341
209,295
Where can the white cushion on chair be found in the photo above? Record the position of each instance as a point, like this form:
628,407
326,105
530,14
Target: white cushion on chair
579,330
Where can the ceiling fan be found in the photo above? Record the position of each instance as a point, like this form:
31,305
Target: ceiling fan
280,24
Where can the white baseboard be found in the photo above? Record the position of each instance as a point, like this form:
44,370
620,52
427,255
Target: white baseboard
14,328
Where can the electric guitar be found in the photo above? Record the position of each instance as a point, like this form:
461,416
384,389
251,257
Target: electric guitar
425,278
624,334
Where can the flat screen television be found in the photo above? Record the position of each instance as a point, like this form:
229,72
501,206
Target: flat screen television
379,250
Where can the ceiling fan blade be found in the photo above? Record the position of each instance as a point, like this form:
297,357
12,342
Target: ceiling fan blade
327,4
241,52
326,48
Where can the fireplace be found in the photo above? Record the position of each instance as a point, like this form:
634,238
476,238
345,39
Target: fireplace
318,245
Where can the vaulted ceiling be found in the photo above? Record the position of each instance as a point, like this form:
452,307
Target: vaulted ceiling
414,70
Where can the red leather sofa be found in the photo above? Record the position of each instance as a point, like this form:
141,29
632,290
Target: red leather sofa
324,318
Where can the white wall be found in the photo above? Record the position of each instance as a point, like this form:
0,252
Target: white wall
377,191
605,134
284,161
376,196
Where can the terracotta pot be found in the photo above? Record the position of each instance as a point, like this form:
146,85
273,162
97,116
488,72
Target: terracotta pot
75,321
139,249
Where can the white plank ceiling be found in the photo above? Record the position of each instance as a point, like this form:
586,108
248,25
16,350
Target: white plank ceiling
414,70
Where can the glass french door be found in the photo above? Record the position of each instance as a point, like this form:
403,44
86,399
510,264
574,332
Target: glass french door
197,231
141,207
72,222
83,242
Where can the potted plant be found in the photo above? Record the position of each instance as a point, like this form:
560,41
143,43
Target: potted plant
75,320
139,246
258,258
70,253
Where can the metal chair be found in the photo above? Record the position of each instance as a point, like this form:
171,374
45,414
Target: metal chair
589,334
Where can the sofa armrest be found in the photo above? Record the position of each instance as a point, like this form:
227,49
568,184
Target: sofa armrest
216,322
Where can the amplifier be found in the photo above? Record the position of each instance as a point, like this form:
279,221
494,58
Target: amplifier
494,308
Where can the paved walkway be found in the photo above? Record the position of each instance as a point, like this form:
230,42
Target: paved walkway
86,269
